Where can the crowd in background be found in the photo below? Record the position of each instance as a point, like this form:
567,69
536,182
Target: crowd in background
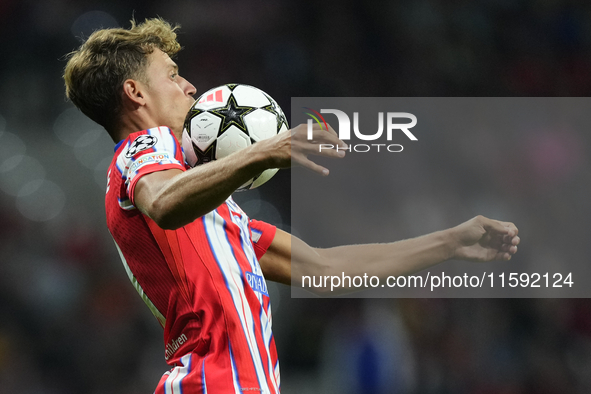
70,322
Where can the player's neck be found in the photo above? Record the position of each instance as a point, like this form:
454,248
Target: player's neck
131,123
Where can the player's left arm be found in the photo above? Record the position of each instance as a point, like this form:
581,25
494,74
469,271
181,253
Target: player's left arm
478,239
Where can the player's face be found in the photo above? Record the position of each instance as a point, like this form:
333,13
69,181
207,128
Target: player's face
169,95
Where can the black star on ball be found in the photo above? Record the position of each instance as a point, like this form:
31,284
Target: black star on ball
232,114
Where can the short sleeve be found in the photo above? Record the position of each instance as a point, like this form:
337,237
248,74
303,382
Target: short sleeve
262,235
146,152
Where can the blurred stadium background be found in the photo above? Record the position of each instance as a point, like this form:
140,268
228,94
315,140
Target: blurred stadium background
70,322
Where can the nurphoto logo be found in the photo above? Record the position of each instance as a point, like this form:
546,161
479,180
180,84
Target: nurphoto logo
344,129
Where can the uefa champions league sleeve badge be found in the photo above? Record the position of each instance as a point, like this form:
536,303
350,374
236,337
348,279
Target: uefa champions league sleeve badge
141,143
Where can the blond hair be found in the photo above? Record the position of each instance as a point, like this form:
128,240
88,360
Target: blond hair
95,72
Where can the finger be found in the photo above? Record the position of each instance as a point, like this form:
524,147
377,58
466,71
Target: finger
328,138
511,240
516,240
505,256
509,248
329,150
309,164
326,150
500,227
331,130
511,227
329,134
491,225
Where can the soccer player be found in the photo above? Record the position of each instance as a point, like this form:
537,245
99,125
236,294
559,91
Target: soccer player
192,254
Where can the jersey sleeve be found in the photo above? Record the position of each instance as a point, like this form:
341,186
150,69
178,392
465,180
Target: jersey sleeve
262,235
146,152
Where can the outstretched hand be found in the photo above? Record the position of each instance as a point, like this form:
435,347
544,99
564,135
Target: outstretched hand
293,148
323,143
484,239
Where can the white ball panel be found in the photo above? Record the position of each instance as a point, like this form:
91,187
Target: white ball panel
247,185
251,96
261,124
264,177
204,129
230,141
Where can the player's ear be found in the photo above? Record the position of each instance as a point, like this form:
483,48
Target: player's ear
134,91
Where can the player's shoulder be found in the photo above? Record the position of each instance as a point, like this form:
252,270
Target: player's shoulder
157,137
155,145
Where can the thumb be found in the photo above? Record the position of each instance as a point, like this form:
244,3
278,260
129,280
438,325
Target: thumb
491,225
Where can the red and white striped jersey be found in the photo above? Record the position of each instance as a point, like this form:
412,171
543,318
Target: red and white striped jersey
202,281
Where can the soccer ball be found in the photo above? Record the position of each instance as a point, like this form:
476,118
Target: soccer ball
227,119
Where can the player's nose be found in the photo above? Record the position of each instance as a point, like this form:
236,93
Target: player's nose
189,89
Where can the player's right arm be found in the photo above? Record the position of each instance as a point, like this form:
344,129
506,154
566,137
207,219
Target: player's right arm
174,198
